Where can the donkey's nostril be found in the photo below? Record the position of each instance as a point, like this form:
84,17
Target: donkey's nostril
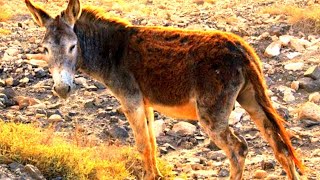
69,89
54,88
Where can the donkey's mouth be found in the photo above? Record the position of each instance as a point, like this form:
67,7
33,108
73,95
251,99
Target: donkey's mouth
62,91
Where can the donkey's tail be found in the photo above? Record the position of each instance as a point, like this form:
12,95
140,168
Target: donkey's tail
254,74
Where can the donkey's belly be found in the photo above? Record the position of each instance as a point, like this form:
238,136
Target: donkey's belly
185,111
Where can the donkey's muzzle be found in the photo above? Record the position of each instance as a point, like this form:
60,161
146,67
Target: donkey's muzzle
63,90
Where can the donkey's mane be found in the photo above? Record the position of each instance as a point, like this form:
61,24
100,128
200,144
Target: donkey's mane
98,16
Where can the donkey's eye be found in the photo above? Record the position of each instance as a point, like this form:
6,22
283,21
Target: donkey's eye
45,50
72,48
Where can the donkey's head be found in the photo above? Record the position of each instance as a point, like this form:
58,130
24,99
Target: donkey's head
60,44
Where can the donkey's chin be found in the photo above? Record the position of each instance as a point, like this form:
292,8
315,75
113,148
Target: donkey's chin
61,94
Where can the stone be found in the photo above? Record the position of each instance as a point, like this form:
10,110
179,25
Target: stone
297,45
272,177
2,83
12,51
92,88
9,92
309,84
73,113
40,73
297,66
24,80
314,97
279,29
99,85
295,85
288,95
310,111
33,172
313,72
89,104
285,40
264,35
55,118
269,164
309,123
199,2
103,114
118,132
159,127
81,81
196,167
24,102
223,172
3,99
15,166
184,128
273,49
260,174
216,155
9,81
54,106
235,117
292,55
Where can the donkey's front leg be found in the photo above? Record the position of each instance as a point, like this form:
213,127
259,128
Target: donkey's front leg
150,118
135,113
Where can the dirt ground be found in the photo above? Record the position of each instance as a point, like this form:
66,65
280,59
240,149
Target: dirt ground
94,110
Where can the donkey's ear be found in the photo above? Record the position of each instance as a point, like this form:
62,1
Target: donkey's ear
41,17
73,12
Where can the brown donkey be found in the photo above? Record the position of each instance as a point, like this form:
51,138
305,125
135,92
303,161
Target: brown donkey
184,74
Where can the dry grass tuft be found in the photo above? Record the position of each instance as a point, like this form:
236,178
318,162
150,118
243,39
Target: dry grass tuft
4,31
306,18
5,13
57,156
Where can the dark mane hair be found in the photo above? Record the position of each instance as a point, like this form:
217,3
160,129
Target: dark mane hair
97,15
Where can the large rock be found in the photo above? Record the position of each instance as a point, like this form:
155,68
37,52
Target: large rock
297,66
55,118
159,127
24,102
313,72
33,172
285,39
260,174
297,44
273,49
288,95
184,128
12,51
118,132
314,97
309,84
310,111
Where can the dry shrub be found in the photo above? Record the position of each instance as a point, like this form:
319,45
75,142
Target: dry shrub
59,156
5,12
302,17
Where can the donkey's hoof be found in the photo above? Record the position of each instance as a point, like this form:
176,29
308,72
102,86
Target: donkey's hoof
152,176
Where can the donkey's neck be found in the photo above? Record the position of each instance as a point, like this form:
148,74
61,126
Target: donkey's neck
102,45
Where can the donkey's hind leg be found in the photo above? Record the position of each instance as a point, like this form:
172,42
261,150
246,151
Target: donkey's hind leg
247,100
214,111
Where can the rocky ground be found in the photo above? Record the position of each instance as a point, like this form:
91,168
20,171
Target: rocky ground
290,55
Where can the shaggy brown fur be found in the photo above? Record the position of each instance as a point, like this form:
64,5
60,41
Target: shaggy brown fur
185,74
